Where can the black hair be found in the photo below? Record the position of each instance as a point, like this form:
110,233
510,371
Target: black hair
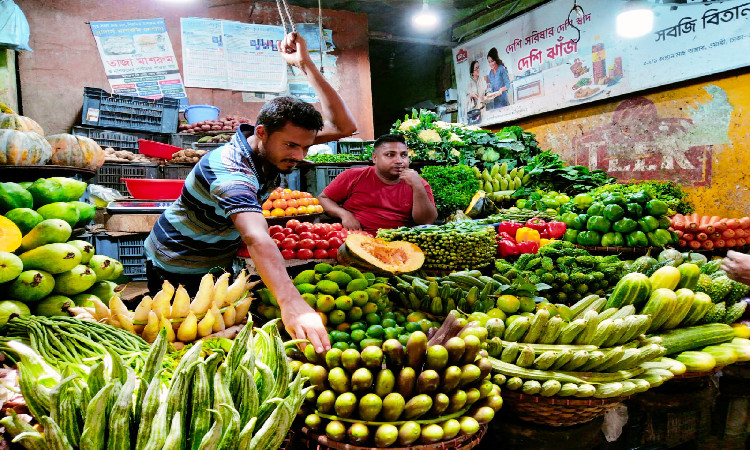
471,67
275,114
495,57
386,138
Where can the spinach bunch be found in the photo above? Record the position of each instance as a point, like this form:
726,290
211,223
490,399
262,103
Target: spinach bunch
452,186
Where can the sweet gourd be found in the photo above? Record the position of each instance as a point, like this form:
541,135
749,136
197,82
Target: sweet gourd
376,255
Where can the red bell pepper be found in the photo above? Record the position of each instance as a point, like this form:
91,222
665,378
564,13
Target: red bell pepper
536,224
544,234
509,227
504,235
556,229
528,247
507,247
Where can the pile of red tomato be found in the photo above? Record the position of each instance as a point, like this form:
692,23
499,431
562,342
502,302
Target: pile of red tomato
305,240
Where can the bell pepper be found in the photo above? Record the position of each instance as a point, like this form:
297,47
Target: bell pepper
641,197
656,208
568,207
615,198
613,239
550,202
598,223
571,235
509,227
521,203
528,247
562,199
504,235
625,225
571,221
527,234
634,210
589,238
664,222
544,234
536,224
614,212
583,201
648,224
637,239
659,238
543,242
506,248
596,209
556,229
583,218
675,237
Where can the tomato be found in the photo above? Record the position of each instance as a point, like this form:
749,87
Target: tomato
320,253
307,243
292,223
278,236
274,229
332,253
304,253
287,231
288,254
288,244
333,234
326,227
337,227
293,236
306,235
334,243
322,245
277,242
303,227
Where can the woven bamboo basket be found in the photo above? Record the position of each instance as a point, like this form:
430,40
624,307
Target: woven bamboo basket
556,411
321,442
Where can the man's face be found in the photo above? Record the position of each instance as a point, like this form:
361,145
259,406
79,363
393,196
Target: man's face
391,159
286,147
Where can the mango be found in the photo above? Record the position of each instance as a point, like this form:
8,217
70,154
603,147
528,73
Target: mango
394,353
428,381
345,404
72,188
335,430
104,290
469,374
386,435
451,428
369,407
24,218
362,380
408,433
351,360
75,281
52,258
31,286
10,267
340,278
54,305
85,300
431,433
45,191
351,271
60,210
319,378
325,401
393,407
437,357
406,382
52,231
358,433
10,307
451,378
469,426
13,195
323,268
103,266
372,357
439,404
87,250
327,287
359,284
385,381
458,400
456,347
306,277
86,213
339,380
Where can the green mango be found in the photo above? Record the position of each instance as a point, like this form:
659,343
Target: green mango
86,213
104,290
9,307
31,286
10,267
52,258
54,305
72,188
46,191
75,281
60,210
52,231
24,218
85,299
103,267
13,195
87,250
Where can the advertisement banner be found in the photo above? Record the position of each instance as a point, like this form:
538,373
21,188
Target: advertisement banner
138,58
547,59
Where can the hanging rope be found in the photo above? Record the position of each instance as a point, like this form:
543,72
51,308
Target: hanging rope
287,18
321,37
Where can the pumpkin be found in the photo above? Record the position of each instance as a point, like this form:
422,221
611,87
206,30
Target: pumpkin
23,148
5,109
376,255
20,123
76,151
10,235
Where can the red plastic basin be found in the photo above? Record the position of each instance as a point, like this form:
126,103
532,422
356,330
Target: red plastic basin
157,149
146,189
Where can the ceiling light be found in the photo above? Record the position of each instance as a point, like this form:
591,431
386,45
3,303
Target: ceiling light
426,18
635,20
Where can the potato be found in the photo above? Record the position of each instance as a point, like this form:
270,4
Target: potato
205,127
216,128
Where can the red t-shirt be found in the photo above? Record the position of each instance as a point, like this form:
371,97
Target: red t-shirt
374,204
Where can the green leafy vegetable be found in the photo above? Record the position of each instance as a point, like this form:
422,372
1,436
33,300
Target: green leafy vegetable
549,172
452,187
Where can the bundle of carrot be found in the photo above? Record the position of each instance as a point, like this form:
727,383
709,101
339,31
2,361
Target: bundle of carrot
708,232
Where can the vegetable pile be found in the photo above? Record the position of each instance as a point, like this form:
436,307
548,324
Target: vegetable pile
666,191
338,158
708,232
452,187
228,123
549,172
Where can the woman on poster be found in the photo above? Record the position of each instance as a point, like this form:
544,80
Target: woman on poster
475,95
498,81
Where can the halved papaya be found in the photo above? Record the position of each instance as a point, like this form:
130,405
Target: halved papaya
376,255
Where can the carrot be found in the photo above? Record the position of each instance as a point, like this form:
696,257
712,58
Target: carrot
678,221
733,224
741,242
688,236
745,222
714,219
720,225
708,229
695,245
716,236
708,245
740,233
682,243
679,233
701,236
721,243
694,217
705,220
728,234
731,243
691,226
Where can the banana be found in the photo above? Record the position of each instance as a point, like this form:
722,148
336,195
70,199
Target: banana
495,170
477,173
202,300
504,169
517,183
495,185
504,184
188,330
488,186
521,172
205,326
513,173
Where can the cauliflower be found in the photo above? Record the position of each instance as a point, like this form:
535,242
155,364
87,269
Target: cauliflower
409,124
442,125
455,153
429,136
473,128
431,154
455,138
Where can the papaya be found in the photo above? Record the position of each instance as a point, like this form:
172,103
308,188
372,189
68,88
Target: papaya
13,195
51,231
10,267
10,235
52,258
87,250
45,191
24,218
72,188
75,281
60,210
86,213
31,286
25,184
54,305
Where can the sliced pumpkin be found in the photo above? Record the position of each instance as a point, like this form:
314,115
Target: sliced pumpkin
376,255
480,206
10,235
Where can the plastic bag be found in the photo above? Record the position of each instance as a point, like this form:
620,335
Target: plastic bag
319,149
101,196
614,420
14,28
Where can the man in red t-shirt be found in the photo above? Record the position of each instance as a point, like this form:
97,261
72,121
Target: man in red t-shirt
386,195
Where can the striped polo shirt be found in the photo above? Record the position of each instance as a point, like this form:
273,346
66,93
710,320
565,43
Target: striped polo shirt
196,235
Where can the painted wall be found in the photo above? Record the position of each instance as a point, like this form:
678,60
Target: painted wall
695,133
65,57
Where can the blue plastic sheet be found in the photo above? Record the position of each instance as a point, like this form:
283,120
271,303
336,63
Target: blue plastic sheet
14,28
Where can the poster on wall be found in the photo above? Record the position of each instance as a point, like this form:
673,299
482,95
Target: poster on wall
203,60
546,60
138,58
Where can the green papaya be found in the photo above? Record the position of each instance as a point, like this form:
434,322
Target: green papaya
45,191
31,286
13,195
25,184
10,267
87,250
52,258
54,305
52,231
86,213
60,210
24,218
72,188
79,279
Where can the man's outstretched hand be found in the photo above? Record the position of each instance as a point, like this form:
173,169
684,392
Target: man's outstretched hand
737,266
302,322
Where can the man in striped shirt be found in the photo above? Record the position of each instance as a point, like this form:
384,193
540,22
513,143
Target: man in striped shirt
220,205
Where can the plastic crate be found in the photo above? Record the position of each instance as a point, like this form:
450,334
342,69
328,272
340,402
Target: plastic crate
126,249
184,140
100,108
320,177
115,139
111,174
291,181
177,171
352,147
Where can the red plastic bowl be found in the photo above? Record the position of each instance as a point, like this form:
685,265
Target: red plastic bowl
147,189
157,149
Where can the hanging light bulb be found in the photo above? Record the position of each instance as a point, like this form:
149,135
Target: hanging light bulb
425,19
635,20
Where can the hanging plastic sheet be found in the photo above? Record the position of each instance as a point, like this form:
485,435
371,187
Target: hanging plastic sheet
14,28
